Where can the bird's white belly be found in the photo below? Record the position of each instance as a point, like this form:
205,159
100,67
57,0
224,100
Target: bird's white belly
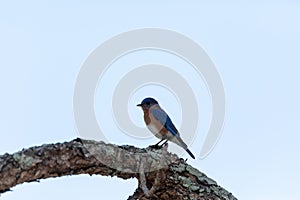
154,130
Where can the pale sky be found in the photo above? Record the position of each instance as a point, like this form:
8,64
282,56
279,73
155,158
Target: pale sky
255,47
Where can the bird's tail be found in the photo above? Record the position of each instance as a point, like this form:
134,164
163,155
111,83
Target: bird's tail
190,153
183,145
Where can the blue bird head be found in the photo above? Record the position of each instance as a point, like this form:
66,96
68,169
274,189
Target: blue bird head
147,103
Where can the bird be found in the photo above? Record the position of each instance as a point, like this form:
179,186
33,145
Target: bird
160,124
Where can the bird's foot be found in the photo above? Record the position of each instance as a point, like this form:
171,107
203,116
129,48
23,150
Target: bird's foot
165,144
155,146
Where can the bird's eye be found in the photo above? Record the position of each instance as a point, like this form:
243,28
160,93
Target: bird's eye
148,103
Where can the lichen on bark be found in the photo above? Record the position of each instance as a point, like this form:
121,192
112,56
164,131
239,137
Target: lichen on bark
161,175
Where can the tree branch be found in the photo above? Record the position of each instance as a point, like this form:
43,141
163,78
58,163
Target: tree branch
167,176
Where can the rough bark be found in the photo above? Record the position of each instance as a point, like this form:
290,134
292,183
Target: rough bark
161,175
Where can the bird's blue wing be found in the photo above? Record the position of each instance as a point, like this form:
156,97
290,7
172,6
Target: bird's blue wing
160,115
164,119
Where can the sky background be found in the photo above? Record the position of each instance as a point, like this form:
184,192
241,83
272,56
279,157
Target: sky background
254,45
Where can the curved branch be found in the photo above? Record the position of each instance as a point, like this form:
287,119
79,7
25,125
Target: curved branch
180,180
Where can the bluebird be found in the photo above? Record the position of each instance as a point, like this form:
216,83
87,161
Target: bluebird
160,124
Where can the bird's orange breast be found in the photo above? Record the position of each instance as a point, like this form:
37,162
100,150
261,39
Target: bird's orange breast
147,117
154,125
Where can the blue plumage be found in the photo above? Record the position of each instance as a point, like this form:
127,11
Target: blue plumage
164,119
160,124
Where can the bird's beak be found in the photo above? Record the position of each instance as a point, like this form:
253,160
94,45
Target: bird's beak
139,105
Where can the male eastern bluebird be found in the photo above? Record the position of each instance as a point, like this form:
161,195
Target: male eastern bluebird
160,124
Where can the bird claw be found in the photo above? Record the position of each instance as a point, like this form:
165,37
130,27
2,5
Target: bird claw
164,145
155,146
